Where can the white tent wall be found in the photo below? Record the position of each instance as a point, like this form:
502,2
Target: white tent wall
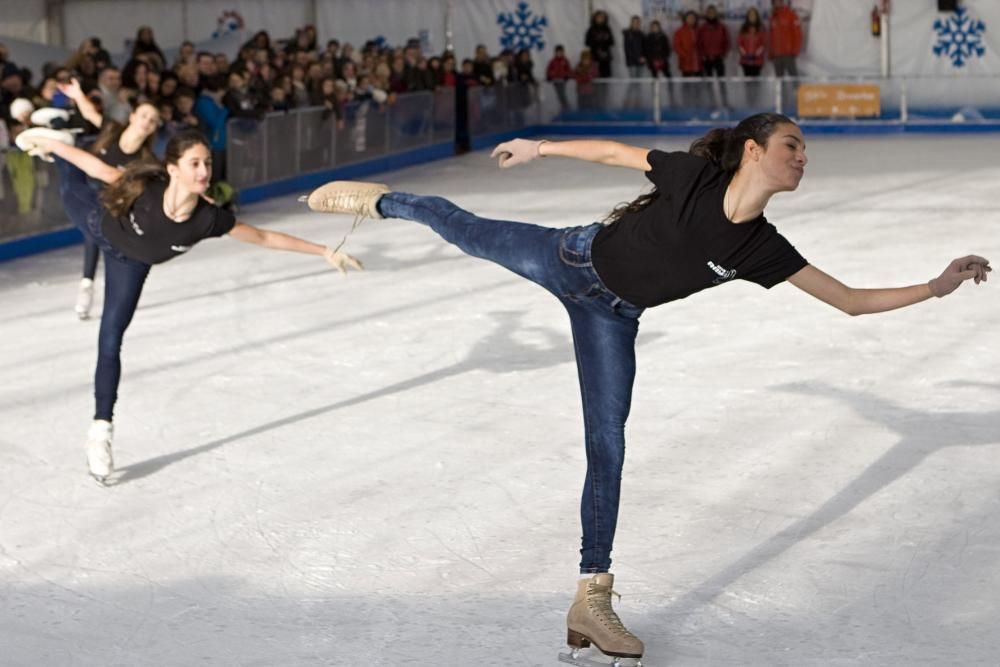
24,20
840,38
173,21
357,21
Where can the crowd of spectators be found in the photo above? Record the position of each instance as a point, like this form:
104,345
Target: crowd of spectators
701,46
203,90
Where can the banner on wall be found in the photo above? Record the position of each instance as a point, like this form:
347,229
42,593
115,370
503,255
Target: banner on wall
730,10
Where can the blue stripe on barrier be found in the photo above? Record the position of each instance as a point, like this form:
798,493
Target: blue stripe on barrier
32,245
65,237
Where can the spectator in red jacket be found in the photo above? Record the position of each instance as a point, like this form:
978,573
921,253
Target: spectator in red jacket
785,38
559,71
713,43
585,73
752,44
686,46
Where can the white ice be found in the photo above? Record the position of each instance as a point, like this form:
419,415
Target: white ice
385,468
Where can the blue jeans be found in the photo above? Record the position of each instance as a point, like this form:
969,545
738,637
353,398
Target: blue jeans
123,281
604,330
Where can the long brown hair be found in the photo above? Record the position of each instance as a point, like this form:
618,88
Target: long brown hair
111,132
723,146
119,196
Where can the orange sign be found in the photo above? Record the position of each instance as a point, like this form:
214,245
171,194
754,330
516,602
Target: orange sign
839,99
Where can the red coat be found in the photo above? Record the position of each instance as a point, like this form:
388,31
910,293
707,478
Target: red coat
785,33
753,46
559,69
686,48
713,40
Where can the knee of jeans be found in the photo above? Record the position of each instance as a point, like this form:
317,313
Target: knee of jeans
109,345
607,444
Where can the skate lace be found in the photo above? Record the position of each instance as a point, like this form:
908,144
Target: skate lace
350,199
599,602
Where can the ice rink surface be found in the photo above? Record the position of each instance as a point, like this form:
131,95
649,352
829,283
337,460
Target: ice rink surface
385,468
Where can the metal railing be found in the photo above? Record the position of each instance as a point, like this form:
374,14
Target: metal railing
29,196
286,144
709,99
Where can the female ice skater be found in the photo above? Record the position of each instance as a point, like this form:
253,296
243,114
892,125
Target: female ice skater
151,213
116,146
703,225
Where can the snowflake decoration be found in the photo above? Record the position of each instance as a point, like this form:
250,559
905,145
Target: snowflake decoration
959,37
228,22
521,30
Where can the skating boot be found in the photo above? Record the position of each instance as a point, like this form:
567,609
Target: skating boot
84,298
357,197
591,620
99,459
26,141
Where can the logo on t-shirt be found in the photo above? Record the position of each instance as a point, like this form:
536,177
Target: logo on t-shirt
135,225
180,248
724,274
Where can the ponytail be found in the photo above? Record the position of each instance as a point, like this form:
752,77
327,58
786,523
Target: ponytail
639,203
119,197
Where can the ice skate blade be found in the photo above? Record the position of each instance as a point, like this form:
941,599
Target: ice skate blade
591,657
303,199
100,479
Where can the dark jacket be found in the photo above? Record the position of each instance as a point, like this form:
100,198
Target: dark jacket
632,42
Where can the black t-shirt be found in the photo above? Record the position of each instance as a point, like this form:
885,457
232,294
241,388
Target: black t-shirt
113,155
146,234
683,243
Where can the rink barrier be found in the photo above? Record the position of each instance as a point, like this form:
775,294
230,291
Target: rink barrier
52,240
424,127
32,245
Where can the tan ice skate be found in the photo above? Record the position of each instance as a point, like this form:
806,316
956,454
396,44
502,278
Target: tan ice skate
591,620
357,197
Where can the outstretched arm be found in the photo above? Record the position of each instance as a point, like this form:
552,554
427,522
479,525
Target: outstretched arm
278,241
611,153
87,109
86,162
853,301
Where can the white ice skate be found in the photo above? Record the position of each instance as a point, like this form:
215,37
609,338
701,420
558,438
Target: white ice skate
27,141
99,459
50,117
84,298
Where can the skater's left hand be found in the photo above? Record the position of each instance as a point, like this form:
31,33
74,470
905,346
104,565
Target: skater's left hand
341,260
517,151
971,267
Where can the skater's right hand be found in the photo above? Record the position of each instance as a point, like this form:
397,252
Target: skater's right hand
970,267
517,151
72,90
341,260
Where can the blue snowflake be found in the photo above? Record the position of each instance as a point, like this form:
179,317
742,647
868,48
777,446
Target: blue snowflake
521,30
959,37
